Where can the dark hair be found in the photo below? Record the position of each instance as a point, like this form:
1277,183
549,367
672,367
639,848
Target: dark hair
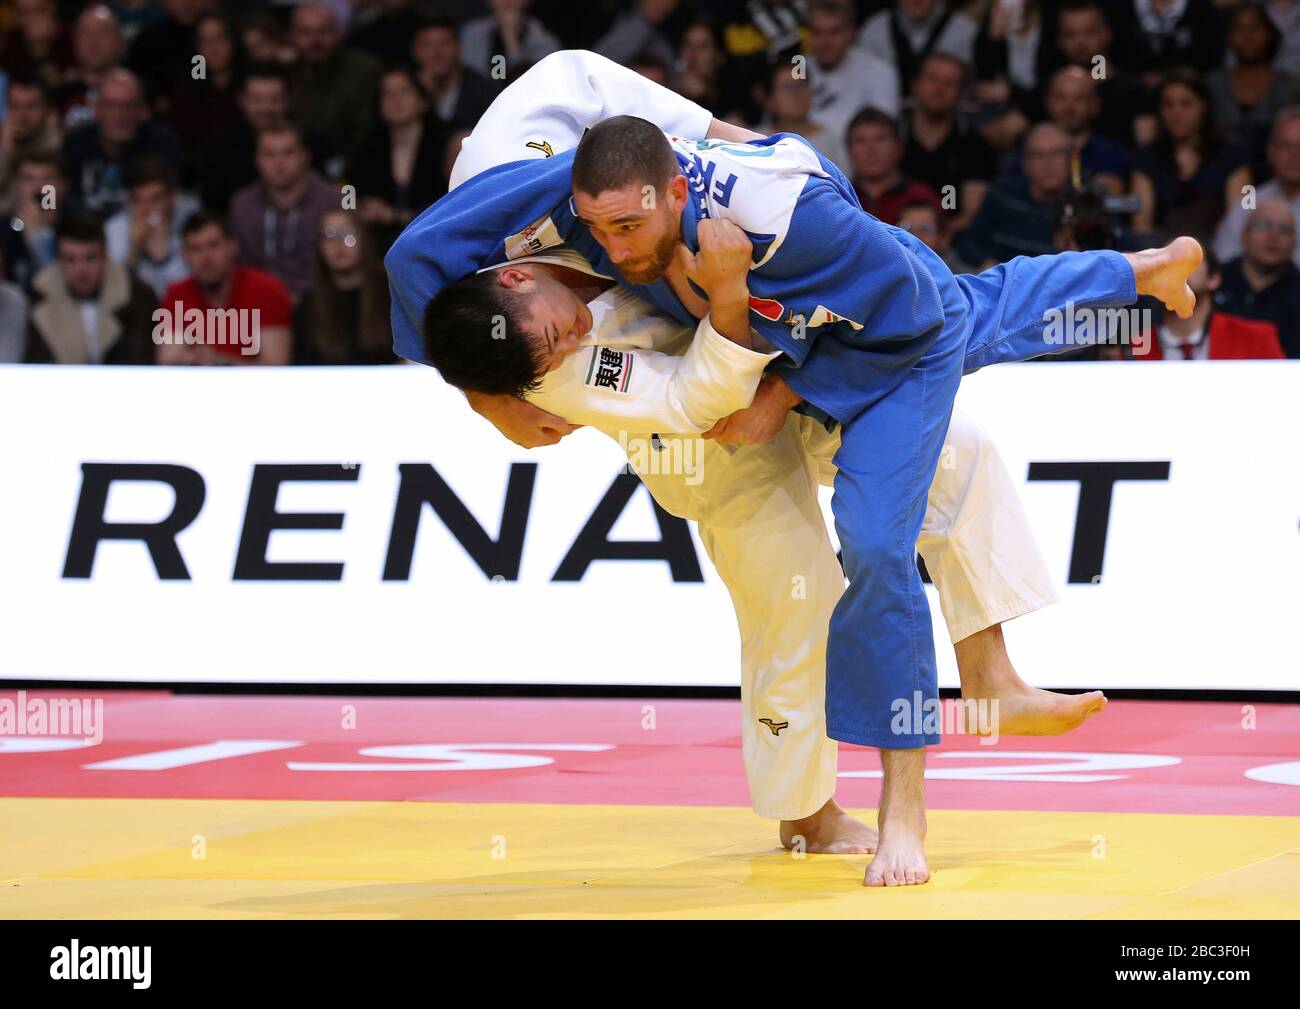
1209,137
32,82
1082,7
1274,36
79,228
282,129
462,338
939,54
264,70
50,159
647,59
147,169
201,219
438,20
869,115
622,151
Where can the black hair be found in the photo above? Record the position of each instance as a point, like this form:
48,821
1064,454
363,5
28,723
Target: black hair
201,219
146,169
79,228
622,151
473,335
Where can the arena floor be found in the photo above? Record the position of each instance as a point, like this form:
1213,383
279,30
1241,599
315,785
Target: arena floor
264,806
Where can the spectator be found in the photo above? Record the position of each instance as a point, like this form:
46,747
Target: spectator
1012,58
1162,35
1264,283
199,108
940,152
931,226
1285,15
13,322
344,317
1191,173
509,32
844,78
705,77
387,36
333,88
262,39
876,152
217,281
1284,160
161,53
27,243
459,95
98,45
1210,334
37,46
651,67
789,106
643,29
1083,38
228,161
1017,217
908,31
31,124
1248,96
1072,104
275,219
94,153
87,309
145,236
399,172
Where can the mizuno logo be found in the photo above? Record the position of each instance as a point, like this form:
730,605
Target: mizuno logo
776,727
544,146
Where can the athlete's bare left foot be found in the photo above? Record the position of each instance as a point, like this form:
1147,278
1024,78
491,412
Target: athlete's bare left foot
1162,273
829,831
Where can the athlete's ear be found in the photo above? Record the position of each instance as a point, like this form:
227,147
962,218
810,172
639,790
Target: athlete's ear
676,192
514,276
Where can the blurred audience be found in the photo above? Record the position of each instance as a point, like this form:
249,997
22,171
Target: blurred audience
876,152
344,317
86,308
1284,163
217,281
275,218
1264,283
145,236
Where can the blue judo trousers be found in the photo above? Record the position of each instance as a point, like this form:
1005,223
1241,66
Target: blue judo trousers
896,331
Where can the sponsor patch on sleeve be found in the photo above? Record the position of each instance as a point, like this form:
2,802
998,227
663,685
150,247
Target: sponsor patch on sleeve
610,369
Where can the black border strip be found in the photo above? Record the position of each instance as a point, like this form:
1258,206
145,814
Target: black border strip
560,690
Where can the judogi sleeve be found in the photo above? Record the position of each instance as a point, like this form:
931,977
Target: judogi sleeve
547,110
645,391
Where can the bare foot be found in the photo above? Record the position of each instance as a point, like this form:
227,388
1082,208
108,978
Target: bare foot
1028,711
829,831
988,675
900,859
1162,273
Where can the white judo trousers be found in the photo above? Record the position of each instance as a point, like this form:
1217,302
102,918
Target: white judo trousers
760,522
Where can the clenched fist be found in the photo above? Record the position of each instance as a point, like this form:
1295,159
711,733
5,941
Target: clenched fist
723,262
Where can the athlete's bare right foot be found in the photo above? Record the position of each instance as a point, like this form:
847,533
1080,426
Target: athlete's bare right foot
1028,711
829,831
1162,273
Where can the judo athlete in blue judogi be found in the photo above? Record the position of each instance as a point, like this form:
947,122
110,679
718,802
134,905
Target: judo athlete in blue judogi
876,333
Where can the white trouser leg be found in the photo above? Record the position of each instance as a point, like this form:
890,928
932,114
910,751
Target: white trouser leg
760,522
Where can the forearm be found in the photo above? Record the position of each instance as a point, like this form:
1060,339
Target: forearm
729,313
721,130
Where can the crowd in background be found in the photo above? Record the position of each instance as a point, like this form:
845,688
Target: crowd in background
253,155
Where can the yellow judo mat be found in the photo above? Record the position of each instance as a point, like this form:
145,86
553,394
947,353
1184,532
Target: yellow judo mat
207,858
